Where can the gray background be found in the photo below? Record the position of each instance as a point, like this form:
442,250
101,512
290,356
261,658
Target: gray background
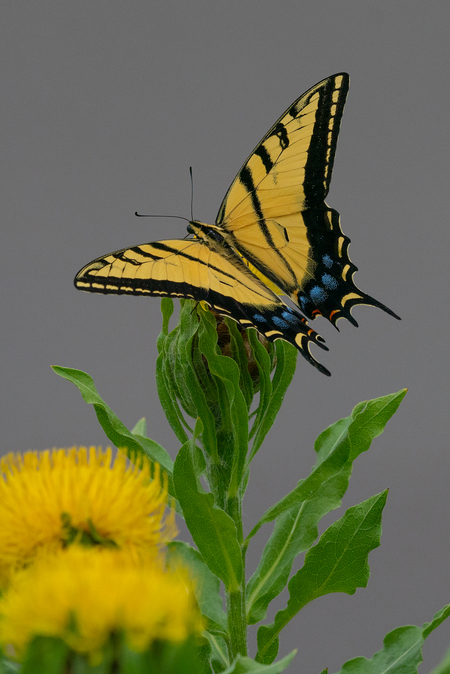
105,105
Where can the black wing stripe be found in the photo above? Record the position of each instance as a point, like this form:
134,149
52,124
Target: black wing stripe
246,178
262,153
322,148
159,245
282,135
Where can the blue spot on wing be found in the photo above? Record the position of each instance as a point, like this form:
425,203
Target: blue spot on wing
290,317
318,294
280,323
329,281
259,318
327,261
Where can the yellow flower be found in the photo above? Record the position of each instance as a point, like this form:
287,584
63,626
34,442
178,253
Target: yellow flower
52,498
86,595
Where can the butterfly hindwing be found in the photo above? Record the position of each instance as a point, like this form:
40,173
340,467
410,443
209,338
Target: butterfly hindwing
191,269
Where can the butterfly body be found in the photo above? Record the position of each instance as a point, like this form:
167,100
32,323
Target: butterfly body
274,234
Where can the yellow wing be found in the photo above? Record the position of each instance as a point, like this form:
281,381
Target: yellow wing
275,214
191,269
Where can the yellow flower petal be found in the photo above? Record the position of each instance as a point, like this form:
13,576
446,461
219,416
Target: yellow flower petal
49,498
84,595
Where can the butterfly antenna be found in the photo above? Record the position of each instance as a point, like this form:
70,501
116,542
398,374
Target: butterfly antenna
178,217
192,193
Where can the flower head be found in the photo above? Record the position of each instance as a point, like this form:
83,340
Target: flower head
84,596
52,498
224,342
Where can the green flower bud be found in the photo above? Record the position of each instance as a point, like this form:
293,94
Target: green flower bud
210,368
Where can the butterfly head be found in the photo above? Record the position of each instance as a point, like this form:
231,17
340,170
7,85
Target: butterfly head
205,232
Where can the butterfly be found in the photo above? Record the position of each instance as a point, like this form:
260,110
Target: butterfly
274,234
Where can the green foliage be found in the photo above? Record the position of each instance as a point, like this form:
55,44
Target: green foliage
298,514
45,655
213,531
195,379
242,665
402,652
272,390
8,666
221,389
207,584
338,563
134,445
444,666
162,659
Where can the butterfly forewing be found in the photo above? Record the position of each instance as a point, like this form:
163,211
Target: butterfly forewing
177,268
275,212
290,169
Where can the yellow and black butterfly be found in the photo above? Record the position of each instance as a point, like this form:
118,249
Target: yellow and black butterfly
274,233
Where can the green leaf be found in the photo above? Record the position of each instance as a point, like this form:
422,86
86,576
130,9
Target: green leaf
286,361
155,452
132,662
167,311
297,517
162,658
140,428
169,403
8,666
240,355
346,439
297,514
365,423
402,651
80,664
44,655
172,368
135,446
231,399
218,652
294,532
206,584
308,488
195,389
337,563
243,664
444,666
264,363
213,531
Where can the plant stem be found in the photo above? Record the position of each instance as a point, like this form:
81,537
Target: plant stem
237,624
234,510
237,621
